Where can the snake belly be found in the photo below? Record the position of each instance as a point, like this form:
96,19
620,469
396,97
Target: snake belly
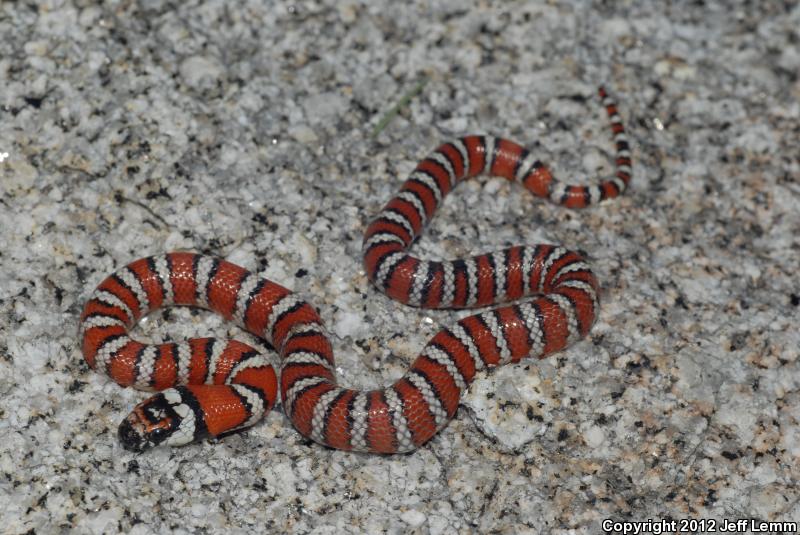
212,387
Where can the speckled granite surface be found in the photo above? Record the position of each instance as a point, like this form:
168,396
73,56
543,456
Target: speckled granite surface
244,130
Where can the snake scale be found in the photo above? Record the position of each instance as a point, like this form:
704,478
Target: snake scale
211,387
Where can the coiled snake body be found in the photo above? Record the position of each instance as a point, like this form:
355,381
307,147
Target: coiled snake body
211,387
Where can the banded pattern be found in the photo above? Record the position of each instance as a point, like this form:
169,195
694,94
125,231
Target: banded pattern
408,413
210,387
485,279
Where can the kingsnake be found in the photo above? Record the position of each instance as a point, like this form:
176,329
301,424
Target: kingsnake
228,385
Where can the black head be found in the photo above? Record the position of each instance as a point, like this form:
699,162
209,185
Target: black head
153,422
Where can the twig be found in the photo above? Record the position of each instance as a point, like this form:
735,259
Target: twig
120,197
402,103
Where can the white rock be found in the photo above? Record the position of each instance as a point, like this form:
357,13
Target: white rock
303,133
349,324
413,518
197,70
594,436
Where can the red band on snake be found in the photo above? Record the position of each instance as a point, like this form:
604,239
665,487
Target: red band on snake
213,387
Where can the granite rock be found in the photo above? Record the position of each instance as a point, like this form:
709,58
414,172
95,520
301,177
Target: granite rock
245,130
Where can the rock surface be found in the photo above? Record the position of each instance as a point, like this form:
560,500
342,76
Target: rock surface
245,130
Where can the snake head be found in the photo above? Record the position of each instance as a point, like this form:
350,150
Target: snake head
161,419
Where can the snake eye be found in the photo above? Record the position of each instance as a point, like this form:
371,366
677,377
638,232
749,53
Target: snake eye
158,434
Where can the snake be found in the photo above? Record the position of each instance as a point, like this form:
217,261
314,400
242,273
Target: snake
208,387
